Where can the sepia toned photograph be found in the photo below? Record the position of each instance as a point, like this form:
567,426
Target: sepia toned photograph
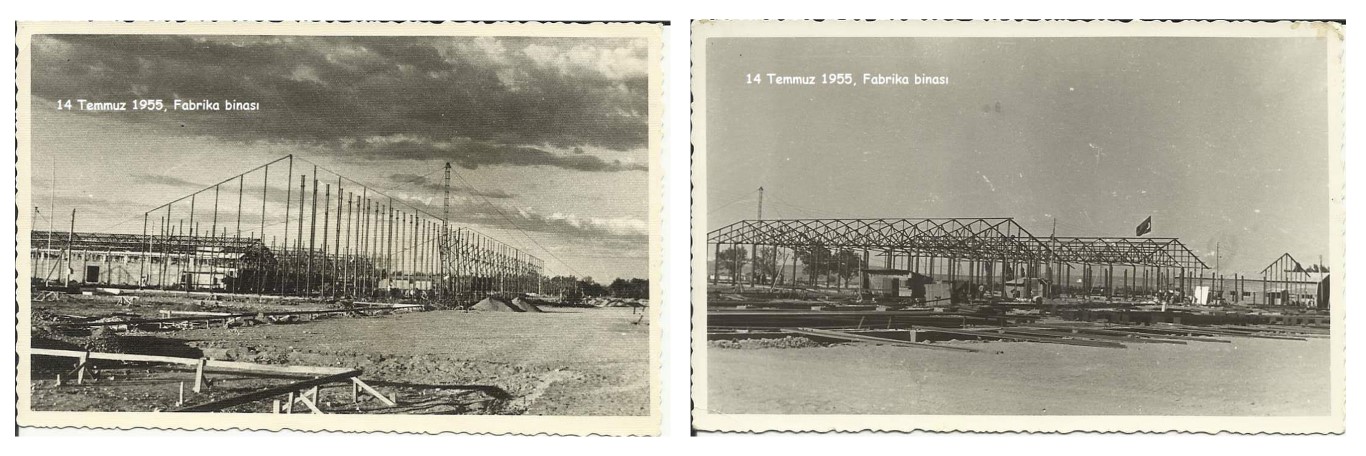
1018,226
348,227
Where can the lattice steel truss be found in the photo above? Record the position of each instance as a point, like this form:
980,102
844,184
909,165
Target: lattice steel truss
980,238
1128,251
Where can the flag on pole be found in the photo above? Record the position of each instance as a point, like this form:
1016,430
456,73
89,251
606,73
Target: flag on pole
1145,227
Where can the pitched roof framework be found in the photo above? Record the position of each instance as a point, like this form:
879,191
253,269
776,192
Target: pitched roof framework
962,238
1129,251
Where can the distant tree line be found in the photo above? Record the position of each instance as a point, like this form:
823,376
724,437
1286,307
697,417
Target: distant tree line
586,287
839,265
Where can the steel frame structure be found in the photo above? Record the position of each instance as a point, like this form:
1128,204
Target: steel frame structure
984,251
1287,282
351,241
979,238
1129,251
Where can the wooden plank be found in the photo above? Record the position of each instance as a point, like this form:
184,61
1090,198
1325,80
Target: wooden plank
1282,328
208,364
199,382
1080,335
385,305
80,367
115,356
195,313
1209,332
309,403
995,333
1117,332
221,404
356,382
872,339
309,398
1271,331
274,369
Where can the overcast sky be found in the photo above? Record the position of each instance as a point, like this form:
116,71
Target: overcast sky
1219,140
551,132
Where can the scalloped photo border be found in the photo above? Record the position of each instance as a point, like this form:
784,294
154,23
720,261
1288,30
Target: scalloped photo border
645,425
704,420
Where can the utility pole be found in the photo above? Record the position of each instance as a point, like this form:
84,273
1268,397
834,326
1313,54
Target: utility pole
70,238
52,205
754,248
761,203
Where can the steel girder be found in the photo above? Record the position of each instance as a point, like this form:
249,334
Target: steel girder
112,242
963,238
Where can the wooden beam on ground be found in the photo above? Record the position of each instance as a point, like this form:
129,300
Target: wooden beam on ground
1120,332
274,369
169,313
267,393
871,339
1285,328
998,334
1211,332
1270,331
1081,335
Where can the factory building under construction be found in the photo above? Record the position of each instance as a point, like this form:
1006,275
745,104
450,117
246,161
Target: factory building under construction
270,232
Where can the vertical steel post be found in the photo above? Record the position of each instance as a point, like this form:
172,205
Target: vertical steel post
299,238
265,191
284,241
325,267
347,264
389,247
147,240
312,235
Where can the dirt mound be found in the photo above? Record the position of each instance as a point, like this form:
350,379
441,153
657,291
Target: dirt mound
785,342
496,304
526,305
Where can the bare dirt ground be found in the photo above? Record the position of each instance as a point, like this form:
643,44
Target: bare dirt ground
560,362
1249,377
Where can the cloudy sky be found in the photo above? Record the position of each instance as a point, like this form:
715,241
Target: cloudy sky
1221,141
548,135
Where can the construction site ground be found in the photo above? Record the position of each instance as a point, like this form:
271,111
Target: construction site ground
579,361
1251,377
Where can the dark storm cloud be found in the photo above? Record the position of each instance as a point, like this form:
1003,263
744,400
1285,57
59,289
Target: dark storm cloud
473,154
426,183
584,229
498,101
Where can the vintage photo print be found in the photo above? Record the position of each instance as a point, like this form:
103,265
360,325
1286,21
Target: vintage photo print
1018,226
414,227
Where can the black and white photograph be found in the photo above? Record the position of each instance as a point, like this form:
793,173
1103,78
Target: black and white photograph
1018,226
251,225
